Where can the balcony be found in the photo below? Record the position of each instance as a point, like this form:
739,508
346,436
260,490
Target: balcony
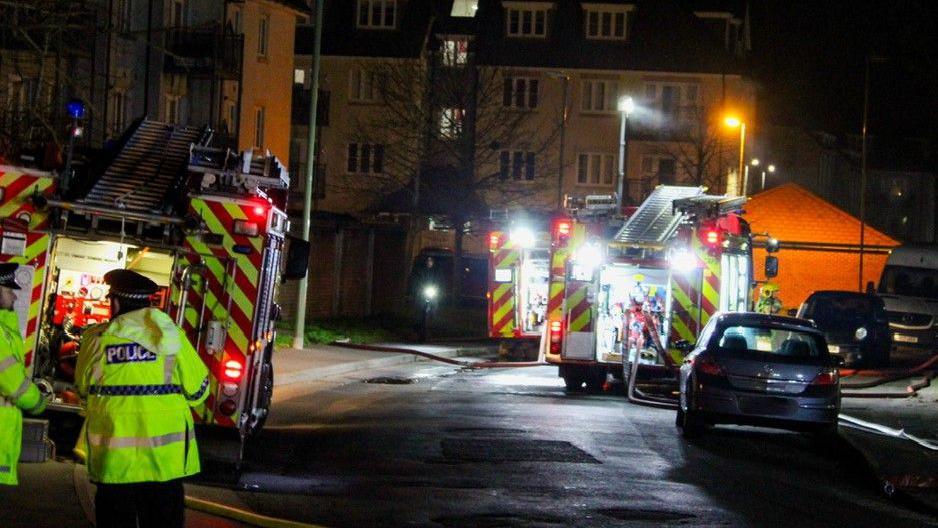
300,111
203,53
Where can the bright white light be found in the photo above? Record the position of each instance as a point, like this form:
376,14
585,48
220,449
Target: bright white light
522,237
626,104
430,292
755,162
771,168
683,261
589,255
860,334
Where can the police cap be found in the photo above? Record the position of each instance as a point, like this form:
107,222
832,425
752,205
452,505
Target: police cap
8,276
129,284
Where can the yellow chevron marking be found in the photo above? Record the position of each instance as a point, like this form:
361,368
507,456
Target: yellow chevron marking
216,227
500,292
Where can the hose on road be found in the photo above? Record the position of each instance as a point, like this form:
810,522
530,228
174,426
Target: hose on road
888,376
243,516
638,397
442,359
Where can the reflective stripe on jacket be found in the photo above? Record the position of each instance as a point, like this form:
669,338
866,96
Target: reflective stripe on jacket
140,376
17,393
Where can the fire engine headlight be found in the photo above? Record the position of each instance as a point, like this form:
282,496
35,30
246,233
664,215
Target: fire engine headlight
430,292
683,261
522,237
590,255
860,334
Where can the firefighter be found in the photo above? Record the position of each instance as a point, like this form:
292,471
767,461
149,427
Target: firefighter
139,377
769,303
17,392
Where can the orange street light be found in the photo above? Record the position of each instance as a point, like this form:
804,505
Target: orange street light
735,122
732,121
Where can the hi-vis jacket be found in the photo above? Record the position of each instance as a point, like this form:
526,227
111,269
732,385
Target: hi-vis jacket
139,376
17,392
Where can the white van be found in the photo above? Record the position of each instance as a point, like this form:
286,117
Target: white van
909,288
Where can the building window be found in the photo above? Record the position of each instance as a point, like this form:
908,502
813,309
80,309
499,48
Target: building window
362,86
607,22
520,92
299,76
659,169
522,21
172,109
599,96
455,51
516,165
595,169
236,21
260,115
231,117
177,14
451,122
365,158
117,119
377,14
675,102
263,35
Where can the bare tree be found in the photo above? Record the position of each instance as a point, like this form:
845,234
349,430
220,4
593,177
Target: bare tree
45,55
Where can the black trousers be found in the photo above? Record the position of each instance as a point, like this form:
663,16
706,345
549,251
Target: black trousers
141,505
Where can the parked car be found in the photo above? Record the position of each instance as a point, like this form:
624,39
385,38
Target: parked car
855,326
762,370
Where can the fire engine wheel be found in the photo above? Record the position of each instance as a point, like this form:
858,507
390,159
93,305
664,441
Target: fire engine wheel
573,381
595,379
264,397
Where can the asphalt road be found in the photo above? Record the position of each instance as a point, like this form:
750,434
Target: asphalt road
434,446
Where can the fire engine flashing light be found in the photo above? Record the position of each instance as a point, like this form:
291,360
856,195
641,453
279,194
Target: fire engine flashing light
683,261
233,369
712,237
259,210
495,240
522,237
590,255
563,228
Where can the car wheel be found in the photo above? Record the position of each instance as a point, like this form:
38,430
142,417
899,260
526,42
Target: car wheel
692,424
679,417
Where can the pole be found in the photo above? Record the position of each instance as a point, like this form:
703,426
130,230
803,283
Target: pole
866,104
298,338
623,122
763,180
746,180
563,129
742,152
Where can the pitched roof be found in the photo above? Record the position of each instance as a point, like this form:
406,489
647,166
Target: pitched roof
791,213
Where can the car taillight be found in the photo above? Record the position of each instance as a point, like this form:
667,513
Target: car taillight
233,370
495,240
707,365
826,377
555,335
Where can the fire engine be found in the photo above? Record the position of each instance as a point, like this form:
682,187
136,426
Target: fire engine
195,219
633,297
518,285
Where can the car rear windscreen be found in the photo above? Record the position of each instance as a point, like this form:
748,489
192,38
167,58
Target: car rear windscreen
779,341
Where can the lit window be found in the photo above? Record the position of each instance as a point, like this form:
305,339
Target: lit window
263,35
377,14
455,51
520,92
599,96
516,165
362,86
299,76
595,169
365,158
607,22
451,122
260,114
522,21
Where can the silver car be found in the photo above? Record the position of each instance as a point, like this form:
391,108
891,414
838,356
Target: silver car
763,370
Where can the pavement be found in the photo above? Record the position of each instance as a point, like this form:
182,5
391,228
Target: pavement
58,490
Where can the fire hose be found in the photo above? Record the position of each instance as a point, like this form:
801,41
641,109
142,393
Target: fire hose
888,377
442,359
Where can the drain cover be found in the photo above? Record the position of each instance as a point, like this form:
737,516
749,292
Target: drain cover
391,381
513,450
630,514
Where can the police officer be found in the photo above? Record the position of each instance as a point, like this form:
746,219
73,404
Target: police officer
139,377
17,392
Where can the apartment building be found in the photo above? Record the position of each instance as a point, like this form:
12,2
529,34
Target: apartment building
555,71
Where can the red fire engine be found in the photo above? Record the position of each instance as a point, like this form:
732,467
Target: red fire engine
195,219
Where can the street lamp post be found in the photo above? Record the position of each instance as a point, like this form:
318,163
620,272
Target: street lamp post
771,169
563,128
866,108
76,110
626,106
734,122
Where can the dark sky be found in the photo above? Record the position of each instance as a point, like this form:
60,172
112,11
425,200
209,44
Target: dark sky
809,57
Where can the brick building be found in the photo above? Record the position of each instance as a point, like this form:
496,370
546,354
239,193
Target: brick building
820,243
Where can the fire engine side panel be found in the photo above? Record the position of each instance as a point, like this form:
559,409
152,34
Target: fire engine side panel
503,279
579,335
28,246
231,280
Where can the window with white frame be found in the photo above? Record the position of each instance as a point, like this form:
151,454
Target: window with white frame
517,165
595,168
455,51
675,102
365,158
171,108
606,21
451,122
599,96
362,86
263,35
260,118
526,20
377,14
520,92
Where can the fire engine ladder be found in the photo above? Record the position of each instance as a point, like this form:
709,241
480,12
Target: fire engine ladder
656,219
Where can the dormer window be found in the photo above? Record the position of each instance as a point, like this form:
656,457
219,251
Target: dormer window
377,14
607,21
526,19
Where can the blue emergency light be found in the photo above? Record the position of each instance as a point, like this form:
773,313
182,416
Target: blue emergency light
75,108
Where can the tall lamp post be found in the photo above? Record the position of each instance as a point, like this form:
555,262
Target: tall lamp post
735,122
866,111
563,129
626,106
76,110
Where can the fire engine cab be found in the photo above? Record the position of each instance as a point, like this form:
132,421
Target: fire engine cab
518,285
206,224
633,297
